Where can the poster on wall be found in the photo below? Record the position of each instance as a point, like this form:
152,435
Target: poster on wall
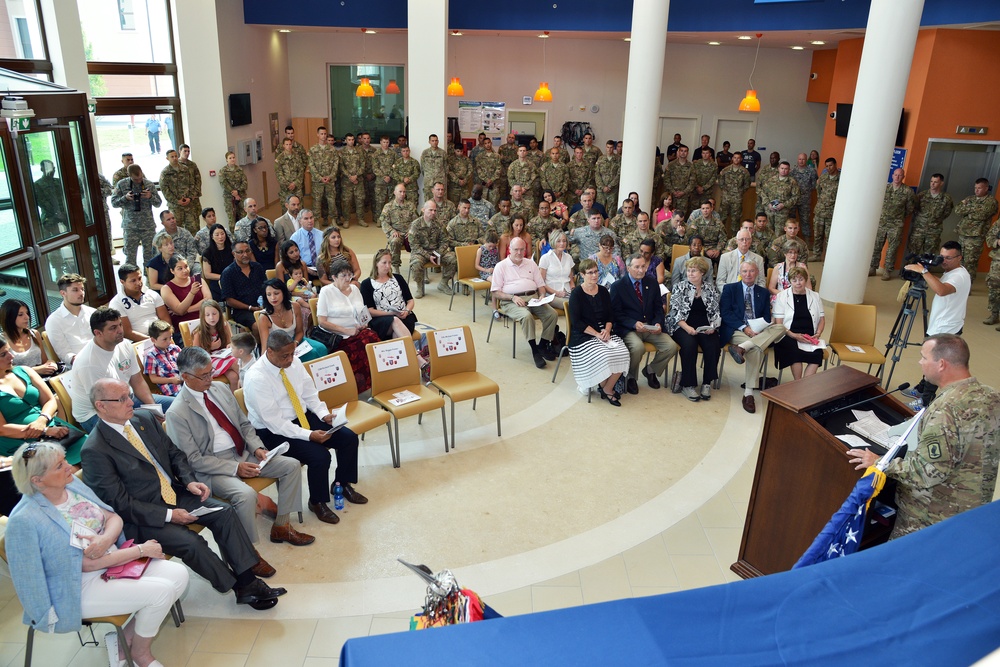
898,160
488,117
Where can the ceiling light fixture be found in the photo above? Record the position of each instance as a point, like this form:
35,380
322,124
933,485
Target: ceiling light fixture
543,94
745,37
715,43
626,39
798,48
365,88
392,88
455,88
750,103
284,30
369,31
817,42
456,33
544,35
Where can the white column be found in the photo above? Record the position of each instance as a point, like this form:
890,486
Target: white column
642,97
890,39
427,55
199,81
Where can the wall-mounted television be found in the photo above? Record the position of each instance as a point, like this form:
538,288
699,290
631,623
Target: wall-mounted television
843,123
239,109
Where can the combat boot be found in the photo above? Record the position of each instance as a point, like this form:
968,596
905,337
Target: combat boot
992,319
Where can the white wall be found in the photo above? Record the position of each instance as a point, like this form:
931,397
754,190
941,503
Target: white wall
254,60
708,81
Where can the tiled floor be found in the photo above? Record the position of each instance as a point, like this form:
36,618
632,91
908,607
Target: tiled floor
683,535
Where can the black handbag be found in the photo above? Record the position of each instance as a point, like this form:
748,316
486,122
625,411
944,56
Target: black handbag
328,338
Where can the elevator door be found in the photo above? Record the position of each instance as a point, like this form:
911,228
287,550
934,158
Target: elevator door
961,163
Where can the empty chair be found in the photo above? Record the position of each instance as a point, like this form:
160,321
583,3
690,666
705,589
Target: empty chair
855,326
467,275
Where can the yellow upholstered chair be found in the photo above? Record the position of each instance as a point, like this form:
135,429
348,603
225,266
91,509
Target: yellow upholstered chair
404,378
140,355
65,402
456,377
854,326
467,275
361,416
50,351
313,305
677,250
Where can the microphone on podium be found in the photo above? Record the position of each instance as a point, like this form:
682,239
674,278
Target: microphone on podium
902,387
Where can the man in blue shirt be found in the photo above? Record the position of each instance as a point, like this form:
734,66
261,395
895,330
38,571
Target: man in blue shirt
308,238
242,284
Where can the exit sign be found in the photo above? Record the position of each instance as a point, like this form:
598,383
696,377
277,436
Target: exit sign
20,124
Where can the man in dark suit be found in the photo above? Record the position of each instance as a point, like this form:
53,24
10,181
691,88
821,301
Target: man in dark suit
132,466
740,303
638,311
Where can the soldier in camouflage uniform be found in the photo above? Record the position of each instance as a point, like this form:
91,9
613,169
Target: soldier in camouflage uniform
298,148
524,173
352,182
427,237
366,148
671,232
461,230
383,160
459,176
233,180
933,206
543,223
123,172
607,174
195,205
591,153
178,189
781,196
732,243
707,224
826,198
580,218
586,241
445,209
477,149
954,465
508,154
406,170
805,175
554,175
519,205
138,225
897,205
564,156
289,171
434,165
734,181
776,251
581,177
993,280
535,154
678,180
625,222
106,190
324,168
630,243
706,175
481,207
658,190
500,223
764,174
487,172
395,220
976,211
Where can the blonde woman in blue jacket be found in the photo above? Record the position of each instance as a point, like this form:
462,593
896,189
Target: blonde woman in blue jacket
59,584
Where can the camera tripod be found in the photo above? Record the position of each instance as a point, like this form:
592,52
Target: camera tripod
899,337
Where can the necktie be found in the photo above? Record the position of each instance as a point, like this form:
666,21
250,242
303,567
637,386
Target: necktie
166,491
743,258
638,291
748,303
226,424
300,414
312,247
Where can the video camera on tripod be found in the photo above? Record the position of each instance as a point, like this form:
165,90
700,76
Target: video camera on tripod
927,261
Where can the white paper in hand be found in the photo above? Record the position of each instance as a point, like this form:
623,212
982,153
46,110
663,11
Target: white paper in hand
277,451
541,302
758,324
202,511
339,419
155,408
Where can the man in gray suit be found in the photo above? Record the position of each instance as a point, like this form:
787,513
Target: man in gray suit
286,225
224,451
132,466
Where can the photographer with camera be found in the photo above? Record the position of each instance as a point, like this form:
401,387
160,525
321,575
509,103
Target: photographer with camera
136,196
951,292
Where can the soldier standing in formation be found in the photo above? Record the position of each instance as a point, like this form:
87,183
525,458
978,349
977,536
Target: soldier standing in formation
976,211
368,152
590,152
433,163
289,170
993,280
557,143
897,205
383,161
352,182
486,171
705,176
734,181
178,189
406,171
607,174
508,154
826,198
763,176
522,172
195,206
459,176
395,220
780,195
805,175
324,165
581,177
678,179
233,180
555,175
933,206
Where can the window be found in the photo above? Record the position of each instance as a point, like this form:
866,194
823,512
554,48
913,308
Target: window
125,15
126,31
22,38
381,114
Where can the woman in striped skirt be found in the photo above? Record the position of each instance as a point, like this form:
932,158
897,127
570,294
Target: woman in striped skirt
598,356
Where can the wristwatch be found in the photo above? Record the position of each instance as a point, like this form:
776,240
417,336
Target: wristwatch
924,271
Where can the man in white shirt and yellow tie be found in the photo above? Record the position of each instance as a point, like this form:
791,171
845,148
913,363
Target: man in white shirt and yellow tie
284,406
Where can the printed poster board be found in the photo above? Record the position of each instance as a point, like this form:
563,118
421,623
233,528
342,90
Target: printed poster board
328,373
450,341
475,117
391,355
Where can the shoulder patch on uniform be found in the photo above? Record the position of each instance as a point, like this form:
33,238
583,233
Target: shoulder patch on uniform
934,450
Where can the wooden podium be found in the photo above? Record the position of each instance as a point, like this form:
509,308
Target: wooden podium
803,475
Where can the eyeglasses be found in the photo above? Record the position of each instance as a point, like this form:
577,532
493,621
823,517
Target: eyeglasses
122,399
591,272
29,452
204,377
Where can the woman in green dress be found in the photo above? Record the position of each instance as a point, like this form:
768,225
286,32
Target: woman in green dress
27,412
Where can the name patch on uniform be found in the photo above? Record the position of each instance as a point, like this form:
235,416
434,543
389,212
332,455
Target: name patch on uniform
934,450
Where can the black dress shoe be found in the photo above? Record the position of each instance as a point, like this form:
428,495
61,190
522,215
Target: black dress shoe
257,591
539,358
631,386
614,399
323,513
352,496
547,351
264,605
651,378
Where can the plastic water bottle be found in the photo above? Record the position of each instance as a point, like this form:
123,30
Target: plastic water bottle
338,497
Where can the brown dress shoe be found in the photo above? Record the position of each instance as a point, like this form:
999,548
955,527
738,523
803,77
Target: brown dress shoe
266,507
288,534
352,496
263,569
749,405
323,513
